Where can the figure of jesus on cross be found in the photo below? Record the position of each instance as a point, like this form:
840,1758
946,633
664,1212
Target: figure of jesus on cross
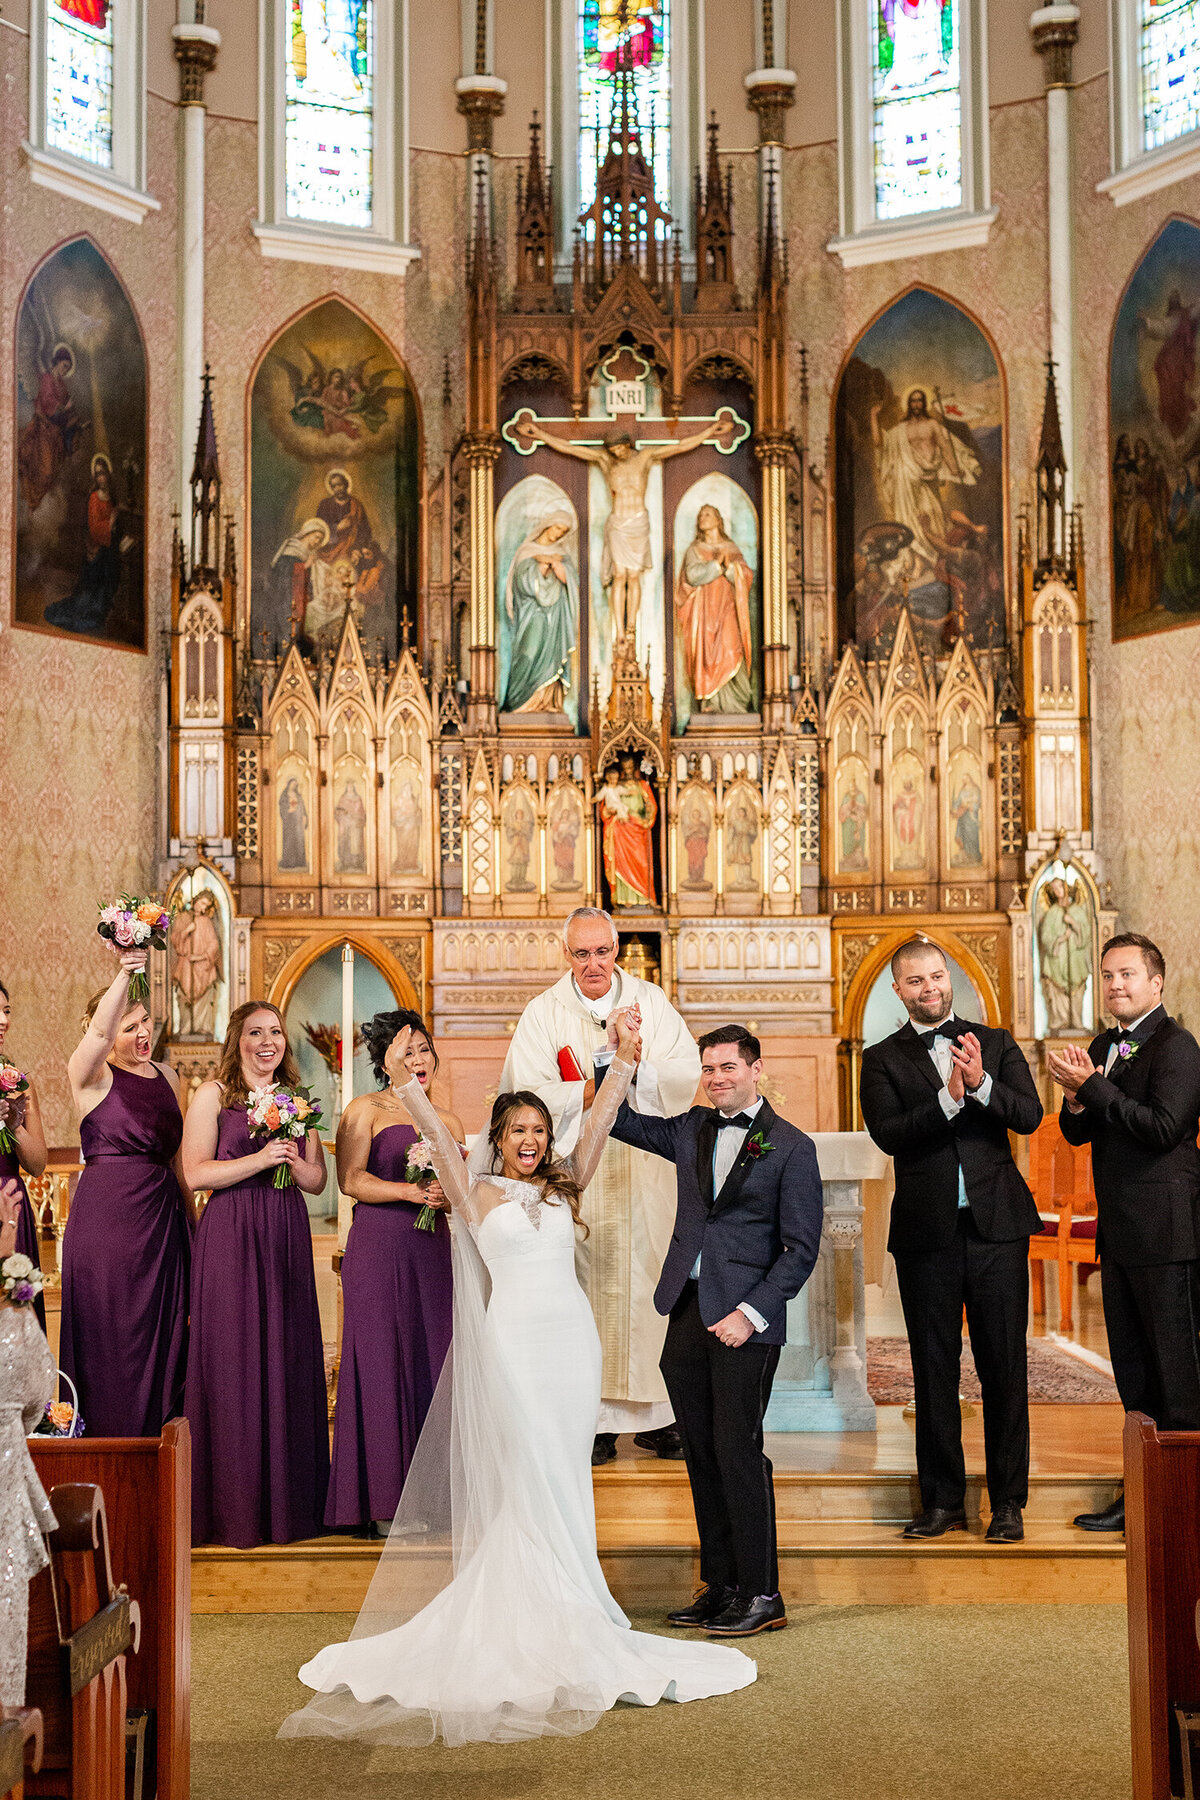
626,468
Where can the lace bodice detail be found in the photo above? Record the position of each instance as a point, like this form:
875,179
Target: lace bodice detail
527,1195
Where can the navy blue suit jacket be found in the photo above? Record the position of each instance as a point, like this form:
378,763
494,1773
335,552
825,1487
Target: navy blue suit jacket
759,1237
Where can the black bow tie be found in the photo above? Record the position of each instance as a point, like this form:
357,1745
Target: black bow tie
743,1121
950,1028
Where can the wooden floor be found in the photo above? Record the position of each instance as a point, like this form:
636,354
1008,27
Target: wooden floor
841,1501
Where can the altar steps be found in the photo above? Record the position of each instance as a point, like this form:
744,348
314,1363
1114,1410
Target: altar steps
839,1537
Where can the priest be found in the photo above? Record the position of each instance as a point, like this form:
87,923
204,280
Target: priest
630,1205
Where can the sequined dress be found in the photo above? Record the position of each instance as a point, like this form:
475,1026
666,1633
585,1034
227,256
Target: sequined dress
26,1384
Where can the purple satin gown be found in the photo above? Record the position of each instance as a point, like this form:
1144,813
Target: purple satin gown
125,1260
256,1377
396,1315
27,1233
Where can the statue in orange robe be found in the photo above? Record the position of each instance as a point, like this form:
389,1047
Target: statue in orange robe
628,811
712,607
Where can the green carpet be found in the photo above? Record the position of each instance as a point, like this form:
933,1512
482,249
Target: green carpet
855,1703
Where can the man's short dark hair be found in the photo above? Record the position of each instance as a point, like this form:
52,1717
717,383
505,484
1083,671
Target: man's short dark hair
1152,956
911,947
747,1043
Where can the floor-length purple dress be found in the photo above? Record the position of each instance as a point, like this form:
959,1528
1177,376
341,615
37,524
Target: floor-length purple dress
396,1314
256,1376
125,1260
27,1231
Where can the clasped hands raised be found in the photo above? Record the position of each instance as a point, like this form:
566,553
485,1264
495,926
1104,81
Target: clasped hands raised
625,1033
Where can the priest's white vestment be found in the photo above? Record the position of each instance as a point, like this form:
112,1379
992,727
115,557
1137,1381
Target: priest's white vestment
629,1206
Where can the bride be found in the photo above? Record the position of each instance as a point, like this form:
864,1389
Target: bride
488,1618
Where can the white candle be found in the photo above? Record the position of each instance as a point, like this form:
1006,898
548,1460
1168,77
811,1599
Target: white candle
347,1026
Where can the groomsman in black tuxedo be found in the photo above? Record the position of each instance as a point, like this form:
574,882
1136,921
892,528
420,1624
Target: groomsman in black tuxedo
747,1232
1134,1096
941,1096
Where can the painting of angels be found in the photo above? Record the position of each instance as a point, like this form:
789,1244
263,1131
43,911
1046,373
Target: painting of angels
334,486
81,453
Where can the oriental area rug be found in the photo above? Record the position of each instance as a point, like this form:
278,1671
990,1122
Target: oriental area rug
1054,1374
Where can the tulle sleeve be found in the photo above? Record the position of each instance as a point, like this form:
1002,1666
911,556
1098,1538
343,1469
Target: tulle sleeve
584,1159
447,1157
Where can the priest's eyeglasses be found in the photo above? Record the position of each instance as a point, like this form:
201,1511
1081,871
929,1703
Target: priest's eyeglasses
581,957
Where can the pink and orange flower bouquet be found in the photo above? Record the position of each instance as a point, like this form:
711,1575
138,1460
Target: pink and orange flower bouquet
134,924
282,1113
13,1088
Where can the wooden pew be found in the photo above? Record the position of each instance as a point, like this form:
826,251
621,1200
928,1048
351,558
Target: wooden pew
80,1627
20,1744
1162,1574
149,1485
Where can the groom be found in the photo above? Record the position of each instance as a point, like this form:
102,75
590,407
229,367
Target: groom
747,1231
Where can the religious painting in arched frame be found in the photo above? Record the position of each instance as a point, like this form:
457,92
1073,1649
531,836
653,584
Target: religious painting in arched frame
965,827
81,454
1154,439
741,841
352,832
919,453
697,838
566,841
718,625
1063,905
519,856
199,950
335,462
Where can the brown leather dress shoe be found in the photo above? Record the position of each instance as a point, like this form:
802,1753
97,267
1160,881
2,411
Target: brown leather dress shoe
936,1522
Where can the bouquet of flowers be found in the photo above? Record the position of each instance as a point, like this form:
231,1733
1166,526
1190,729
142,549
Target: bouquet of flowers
282,1113
61,1417
326,1040
420,1171
130,925
20,1280
13,1086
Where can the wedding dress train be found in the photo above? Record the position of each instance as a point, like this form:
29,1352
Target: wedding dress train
489,1617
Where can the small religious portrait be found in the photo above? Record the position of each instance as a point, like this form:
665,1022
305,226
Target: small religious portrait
715,599
334,485
628,811
742,829
407,822
350,827
1064,948
919,446
696,834
852,822
518,841
292,854
1154,439
966,815
564,823
81,453
907,785
537,567
197,963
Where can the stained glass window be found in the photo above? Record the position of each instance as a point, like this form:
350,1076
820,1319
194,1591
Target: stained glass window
329,129
1170,68
917,106
605,28
79,74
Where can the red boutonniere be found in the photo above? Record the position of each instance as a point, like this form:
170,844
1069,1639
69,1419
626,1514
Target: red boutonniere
757,1147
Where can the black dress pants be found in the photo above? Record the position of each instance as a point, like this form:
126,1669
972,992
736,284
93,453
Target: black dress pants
1152,1316
720,1396
992,1282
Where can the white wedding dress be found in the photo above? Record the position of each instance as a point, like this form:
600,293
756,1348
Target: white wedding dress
489,1617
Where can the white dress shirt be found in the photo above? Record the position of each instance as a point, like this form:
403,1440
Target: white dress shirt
939,1048
1114,1049
726,1151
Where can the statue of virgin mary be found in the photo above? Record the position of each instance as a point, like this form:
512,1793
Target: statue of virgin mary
541,602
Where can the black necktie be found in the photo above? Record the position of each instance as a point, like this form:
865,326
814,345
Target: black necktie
742,1120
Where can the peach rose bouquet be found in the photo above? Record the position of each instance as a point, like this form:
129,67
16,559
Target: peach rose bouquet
134,924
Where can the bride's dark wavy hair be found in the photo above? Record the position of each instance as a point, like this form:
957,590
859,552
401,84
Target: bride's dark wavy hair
379,1032
557,1183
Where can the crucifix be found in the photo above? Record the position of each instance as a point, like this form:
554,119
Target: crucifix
625,445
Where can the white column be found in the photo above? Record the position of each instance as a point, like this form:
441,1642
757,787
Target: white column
196,46
1054,30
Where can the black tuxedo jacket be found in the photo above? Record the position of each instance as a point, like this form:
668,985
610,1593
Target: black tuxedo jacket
759,1237
898,1090
1141,1122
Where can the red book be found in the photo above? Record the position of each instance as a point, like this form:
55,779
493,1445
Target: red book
568,1065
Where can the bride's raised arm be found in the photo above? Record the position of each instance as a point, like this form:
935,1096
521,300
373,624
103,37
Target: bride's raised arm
585,1157
447,1158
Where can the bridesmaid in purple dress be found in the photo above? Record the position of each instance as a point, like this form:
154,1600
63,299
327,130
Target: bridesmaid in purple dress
256,1379
396,1289
24,1120
127,1243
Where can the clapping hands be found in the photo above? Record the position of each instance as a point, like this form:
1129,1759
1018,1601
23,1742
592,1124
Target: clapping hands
1071,1066
967,1071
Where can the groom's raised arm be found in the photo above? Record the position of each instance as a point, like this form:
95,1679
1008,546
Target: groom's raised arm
642,1130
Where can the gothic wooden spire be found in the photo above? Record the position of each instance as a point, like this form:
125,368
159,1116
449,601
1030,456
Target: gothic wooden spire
534,291
206,488
715,291
1051,483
